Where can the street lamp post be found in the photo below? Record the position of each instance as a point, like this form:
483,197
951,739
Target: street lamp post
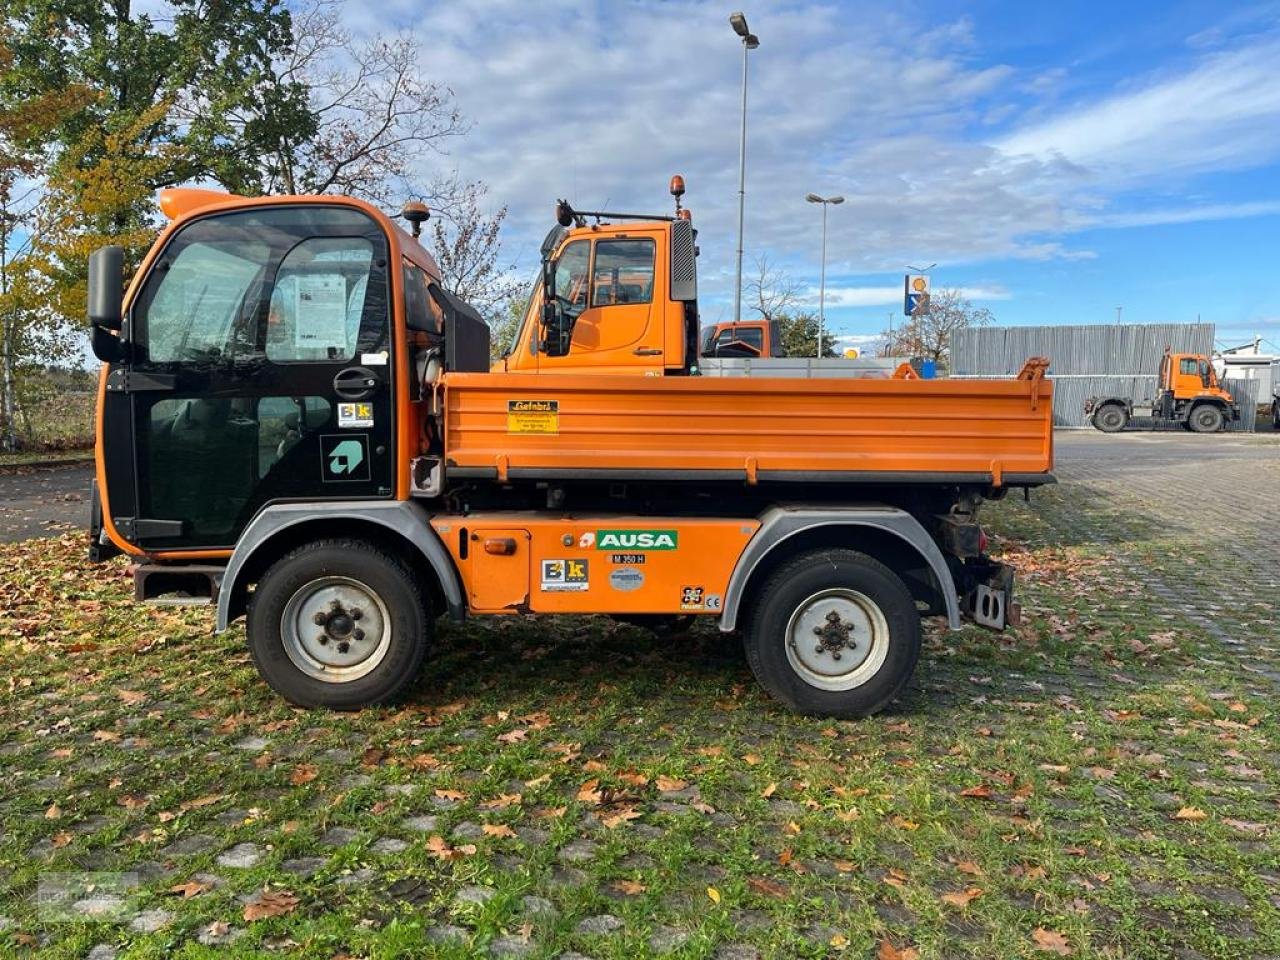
749,42
822,281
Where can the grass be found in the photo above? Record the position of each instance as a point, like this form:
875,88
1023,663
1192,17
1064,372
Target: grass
1099,783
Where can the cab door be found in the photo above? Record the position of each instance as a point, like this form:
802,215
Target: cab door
259,370
608,285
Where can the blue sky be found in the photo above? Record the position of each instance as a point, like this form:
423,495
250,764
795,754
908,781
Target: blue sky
1056,160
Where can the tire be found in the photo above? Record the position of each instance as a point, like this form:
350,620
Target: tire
374,592
1111,418
800,598
1205,418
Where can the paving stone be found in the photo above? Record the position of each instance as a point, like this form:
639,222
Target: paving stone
749,921
399,789
362,876
736,951
474,895
567,877
578,851
189,846
599,925
214,934
467,830
539,907
303,867
420,824
102,951
252,744
99,905
447,933
242,856
388,845
149,921
665,939
509,946
338,836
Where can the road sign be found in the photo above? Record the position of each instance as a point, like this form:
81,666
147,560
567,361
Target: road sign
915,294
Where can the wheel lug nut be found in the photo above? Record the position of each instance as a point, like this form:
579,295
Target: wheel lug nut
322,640
343,647
319,619
356,613
359,634
335,605
835,654
818,649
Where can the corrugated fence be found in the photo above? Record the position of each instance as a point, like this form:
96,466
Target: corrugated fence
1088,360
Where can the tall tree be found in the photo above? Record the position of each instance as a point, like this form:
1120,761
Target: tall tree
799,335
929,334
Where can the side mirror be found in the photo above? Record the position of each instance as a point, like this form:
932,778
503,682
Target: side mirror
106,292
106,287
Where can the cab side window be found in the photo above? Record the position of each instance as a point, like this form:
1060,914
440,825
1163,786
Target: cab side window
623,272
571,276
1187,366
318,300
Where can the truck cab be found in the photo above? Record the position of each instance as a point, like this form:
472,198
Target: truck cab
743,338
1187,393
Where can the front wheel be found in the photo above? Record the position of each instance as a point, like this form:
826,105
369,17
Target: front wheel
338,623
834,633
1206,418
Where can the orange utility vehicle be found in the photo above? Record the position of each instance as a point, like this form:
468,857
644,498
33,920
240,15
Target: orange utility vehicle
1187,392
743,338
298,423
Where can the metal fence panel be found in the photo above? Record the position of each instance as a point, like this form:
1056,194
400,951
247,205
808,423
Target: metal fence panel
1082,349
1245,393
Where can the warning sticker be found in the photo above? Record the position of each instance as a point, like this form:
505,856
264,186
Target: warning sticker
355,415
533,416
691,598
564,576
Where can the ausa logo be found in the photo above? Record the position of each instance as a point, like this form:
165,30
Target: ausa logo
636,539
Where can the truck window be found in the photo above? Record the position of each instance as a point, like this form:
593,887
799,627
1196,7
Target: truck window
623,272
1187,366
190,315
751,336
571,276
318,300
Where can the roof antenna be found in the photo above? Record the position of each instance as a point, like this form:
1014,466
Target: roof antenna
417,213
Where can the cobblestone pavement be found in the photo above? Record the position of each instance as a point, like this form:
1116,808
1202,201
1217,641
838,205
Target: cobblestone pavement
1102,782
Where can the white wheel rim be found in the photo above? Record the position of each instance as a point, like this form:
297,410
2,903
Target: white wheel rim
837,639
335,629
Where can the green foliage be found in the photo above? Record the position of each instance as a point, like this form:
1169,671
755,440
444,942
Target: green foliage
799,334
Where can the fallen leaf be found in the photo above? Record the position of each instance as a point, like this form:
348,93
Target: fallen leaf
1050,941
845,866
439,846
454,795
751,759
981,791
514,735
714,894
671,784
53,812
895,877
60,840
902,823
839,941
768,888
887,951
276,903
372,757
191,888
1190,813
497,830
591,793
769,791
629,887
206,801
502,801
971,868
961,898
131,696
620,817
303,773
702,807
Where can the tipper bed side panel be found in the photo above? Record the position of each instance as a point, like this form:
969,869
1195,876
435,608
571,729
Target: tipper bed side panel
752,427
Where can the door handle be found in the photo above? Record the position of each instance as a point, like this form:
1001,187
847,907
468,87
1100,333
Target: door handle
647,351
356,383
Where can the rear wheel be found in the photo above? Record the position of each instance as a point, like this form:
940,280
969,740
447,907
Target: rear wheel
1111,418
834,633
1206,418
338,623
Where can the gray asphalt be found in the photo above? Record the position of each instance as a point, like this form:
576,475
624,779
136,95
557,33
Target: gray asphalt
44,502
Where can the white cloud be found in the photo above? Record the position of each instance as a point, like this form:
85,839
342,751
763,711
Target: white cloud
1223,114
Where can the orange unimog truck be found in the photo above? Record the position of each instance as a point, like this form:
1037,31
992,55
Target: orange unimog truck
298,424
1187,392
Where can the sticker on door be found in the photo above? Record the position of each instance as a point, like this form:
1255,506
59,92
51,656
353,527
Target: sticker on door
344,458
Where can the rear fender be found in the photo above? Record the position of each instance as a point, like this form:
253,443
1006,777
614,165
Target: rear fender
782,526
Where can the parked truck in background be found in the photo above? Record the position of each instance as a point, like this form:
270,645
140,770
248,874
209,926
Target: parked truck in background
1187,392
299,425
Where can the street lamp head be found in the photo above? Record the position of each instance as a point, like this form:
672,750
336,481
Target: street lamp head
739,23
813,198
752,41
836,200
